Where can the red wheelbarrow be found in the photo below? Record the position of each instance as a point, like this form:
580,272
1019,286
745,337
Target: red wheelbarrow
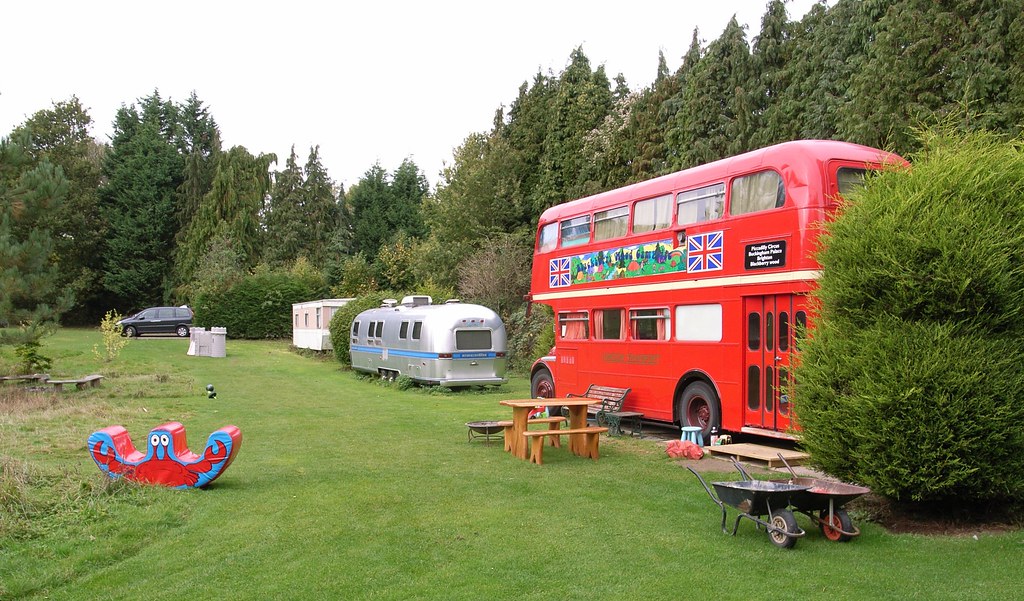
822,502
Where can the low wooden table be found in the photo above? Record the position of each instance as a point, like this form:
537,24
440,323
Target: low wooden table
577,421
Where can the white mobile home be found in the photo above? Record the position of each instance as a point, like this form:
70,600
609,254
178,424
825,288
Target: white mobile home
311,321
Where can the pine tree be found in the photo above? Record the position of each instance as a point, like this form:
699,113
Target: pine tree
60,135
30,293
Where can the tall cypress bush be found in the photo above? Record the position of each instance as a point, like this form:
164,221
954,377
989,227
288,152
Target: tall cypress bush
912,379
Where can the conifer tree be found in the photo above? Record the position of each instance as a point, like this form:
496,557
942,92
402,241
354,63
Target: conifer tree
322,212
61,136
230,210
714,117
283,219
30,293
143,170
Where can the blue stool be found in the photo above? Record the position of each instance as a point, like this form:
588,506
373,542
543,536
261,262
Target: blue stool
693,434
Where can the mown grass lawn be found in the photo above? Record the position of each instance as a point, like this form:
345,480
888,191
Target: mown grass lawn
348,489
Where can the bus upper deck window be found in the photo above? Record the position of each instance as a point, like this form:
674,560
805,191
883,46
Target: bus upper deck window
702,204
652,214
548,238
611,223
576,231
757,192
849,179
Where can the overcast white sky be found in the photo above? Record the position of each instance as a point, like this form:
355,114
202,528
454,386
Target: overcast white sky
378,80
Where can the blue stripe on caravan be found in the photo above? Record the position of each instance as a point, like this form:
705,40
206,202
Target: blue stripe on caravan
421,354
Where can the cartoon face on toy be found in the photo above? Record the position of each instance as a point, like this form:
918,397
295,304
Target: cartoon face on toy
167,460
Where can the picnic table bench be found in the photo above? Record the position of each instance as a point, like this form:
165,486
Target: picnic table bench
554,423
609,412
592,437
80,383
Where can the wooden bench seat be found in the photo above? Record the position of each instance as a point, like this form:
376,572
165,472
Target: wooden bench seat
80,383
28,377
588,449
554,423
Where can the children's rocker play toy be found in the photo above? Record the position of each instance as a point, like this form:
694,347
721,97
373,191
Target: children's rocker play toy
166,460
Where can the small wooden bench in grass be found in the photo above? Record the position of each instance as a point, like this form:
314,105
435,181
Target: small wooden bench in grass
28,377
80,383
554,423
609,411
589,448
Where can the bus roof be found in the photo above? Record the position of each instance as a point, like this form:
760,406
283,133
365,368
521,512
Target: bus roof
807,152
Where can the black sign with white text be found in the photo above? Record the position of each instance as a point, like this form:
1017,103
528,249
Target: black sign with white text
765,255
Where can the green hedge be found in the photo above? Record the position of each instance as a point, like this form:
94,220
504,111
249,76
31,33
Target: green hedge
911,380
259,306
341,322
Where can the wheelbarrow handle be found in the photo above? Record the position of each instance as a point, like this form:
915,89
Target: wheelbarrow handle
706,488
742,471
788,466
717,501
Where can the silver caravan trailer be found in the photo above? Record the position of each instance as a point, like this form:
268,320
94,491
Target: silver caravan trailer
452,344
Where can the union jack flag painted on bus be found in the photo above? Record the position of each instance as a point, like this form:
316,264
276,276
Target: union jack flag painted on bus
704,252
558,272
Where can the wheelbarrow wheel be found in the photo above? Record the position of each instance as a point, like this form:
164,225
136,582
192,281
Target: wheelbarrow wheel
833,529
784,520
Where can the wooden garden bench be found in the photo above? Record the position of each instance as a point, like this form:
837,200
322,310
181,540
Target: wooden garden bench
80,383
609,411
589,448
28,377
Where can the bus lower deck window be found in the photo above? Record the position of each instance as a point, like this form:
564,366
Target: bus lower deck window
609,325
649,324
574,325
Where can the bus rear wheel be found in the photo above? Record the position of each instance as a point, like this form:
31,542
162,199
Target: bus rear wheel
698,406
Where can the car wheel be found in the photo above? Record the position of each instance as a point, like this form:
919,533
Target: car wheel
131,332
182,331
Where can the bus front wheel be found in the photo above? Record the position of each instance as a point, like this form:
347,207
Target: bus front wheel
542,386
698,406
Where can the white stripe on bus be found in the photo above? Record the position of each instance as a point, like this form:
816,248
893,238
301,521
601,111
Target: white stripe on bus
736,280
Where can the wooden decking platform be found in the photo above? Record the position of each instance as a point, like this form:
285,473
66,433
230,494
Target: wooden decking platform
757,452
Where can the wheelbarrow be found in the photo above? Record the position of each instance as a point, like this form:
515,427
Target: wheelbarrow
822,502
755,498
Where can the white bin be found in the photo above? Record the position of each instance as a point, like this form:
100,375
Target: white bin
218,345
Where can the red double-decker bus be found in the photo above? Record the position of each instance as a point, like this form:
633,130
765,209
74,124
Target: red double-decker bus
689,288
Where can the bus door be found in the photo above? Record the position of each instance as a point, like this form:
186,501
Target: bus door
770,325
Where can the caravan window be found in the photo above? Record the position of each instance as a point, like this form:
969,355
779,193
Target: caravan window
403,332
417,327
355,326
472,340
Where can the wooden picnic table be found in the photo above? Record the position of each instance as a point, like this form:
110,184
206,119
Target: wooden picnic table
577,421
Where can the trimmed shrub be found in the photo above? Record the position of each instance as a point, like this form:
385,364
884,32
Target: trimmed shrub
341,322
259,305
910,381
